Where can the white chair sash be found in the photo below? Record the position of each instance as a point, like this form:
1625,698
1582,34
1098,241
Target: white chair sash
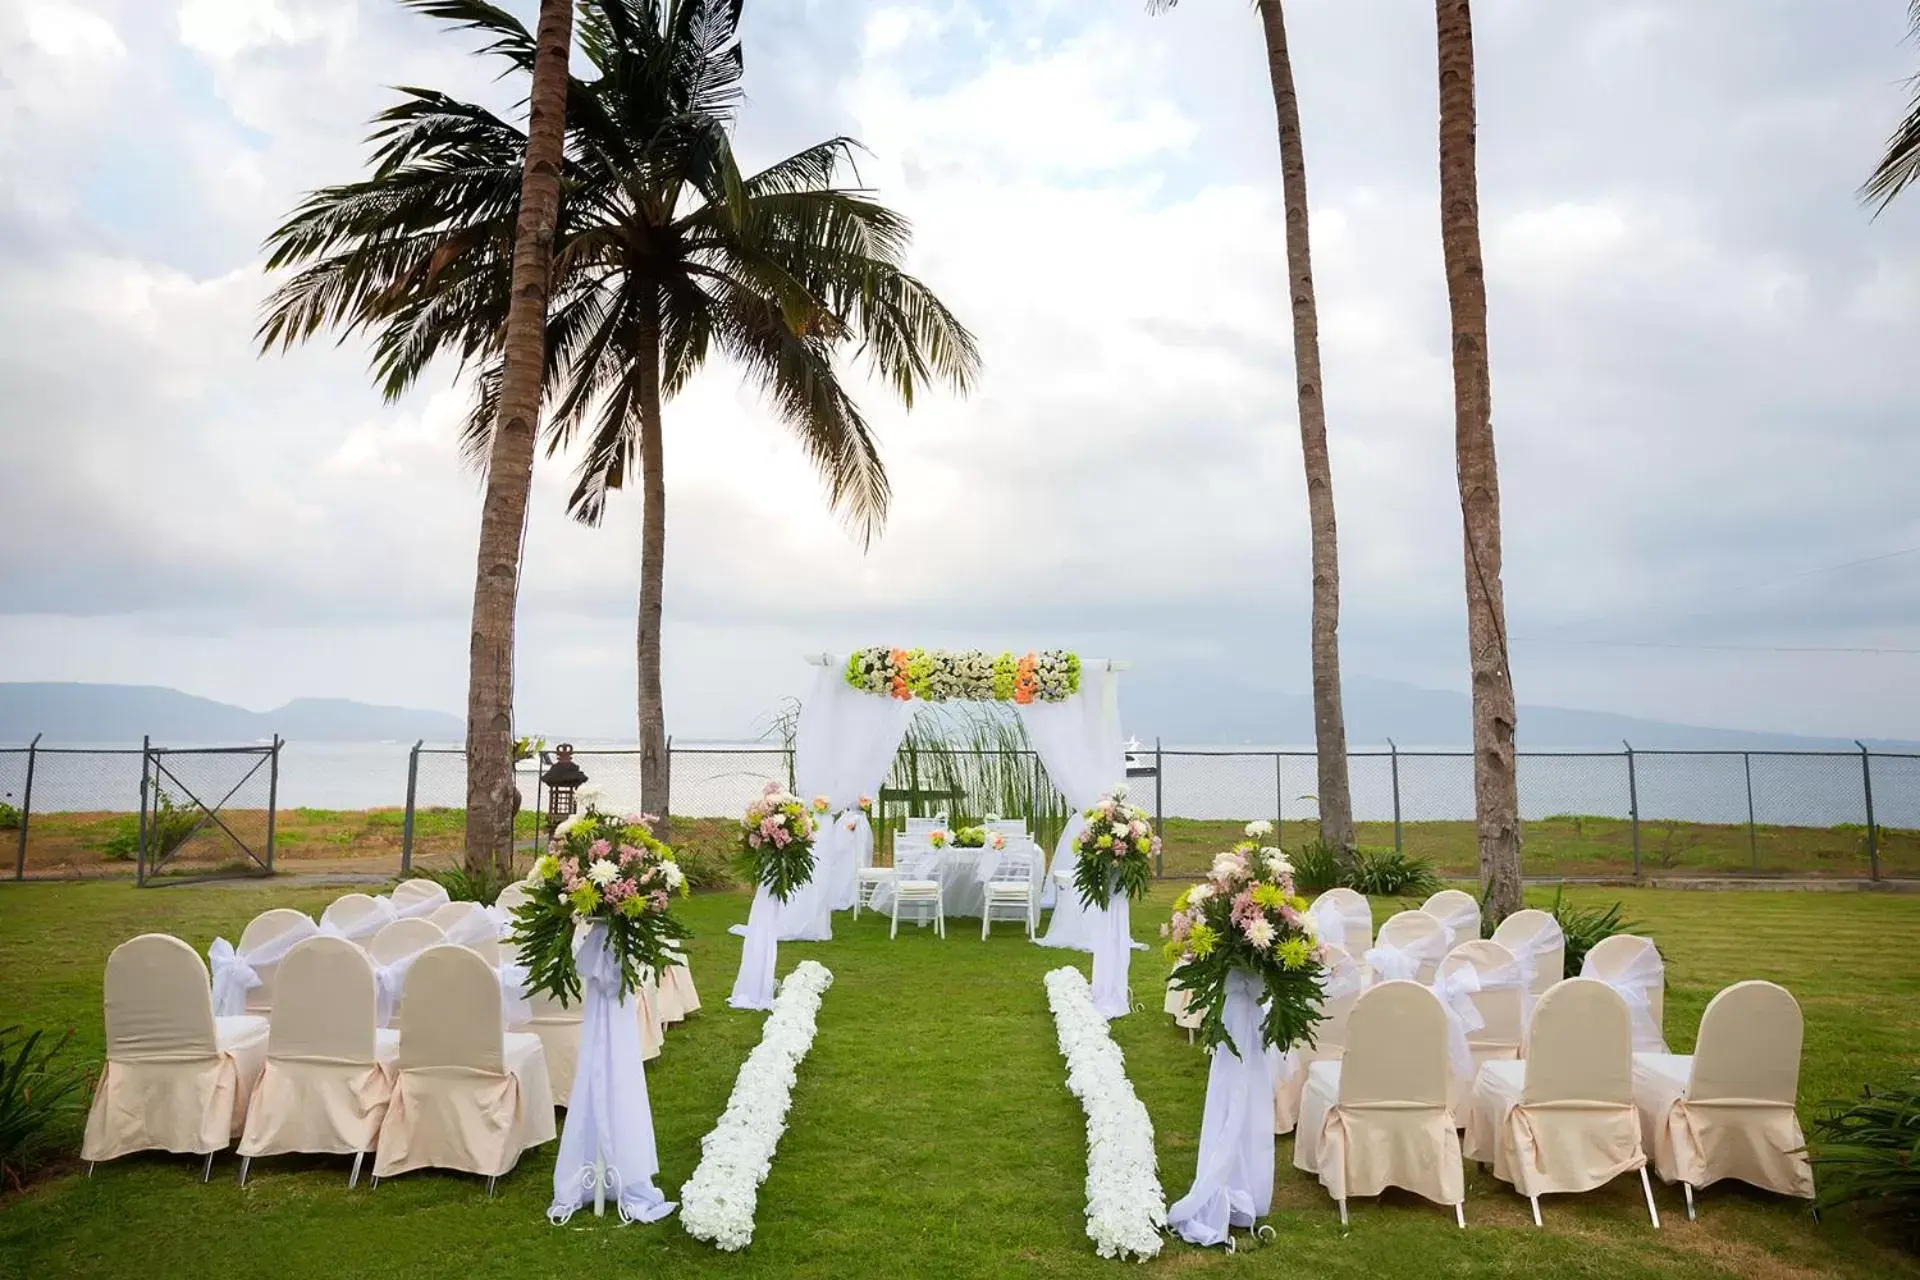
515,1009
471,928
387,981
1329,924
1389,962
1529,953
234,972
1455,992
1463,925
1643,975
424,907
365,927
1342,983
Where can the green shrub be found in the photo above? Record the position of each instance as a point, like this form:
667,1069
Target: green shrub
1868,1153
168,826
1390,873
35,1093
1316,867
706,864
1585,926
9,817
463,886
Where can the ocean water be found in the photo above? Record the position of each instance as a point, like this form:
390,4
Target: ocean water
720,779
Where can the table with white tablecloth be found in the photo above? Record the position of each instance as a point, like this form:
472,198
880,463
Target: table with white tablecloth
963,875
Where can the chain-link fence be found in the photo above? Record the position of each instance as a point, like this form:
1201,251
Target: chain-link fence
207,812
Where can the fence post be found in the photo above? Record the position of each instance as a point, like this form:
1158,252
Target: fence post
406,823
1633,806
1279,797
1394,756
1753,839
1159,807
273,797
1873,833
26,811
140,856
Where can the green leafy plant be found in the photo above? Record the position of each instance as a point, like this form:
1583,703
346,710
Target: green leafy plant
9,817
1868,1153
527,748
1390,873
1316,867
36,1092
1585,926
463,885
168,827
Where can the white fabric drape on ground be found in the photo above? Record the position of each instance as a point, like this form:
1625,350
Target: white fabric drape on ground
1233,1180
1079,742
609,1117
1112,954
753,987
233,970
1646,972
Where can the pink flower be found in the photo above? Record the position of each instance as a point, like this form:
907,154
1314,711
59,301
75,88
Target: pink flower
1182,926
771,823
781,839
772,788
630,855
570,868
753,840
621,890
599,849
659,899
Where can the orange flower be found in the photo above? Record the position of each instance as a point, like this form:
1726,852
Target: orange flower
1024,683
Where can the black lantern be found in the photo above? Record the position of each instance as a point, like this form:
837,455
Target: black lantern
563,779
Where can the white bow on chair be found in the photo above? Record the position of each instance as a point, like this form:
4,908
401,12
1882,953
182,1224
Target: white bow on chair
234,973
1329,924
387,980
1455,992
1530,953
1389,962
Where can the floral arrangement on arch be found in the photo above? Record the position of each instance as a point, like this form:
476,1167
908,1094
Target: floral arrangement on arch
971,675
776,840
607,870
1114,851
1246,916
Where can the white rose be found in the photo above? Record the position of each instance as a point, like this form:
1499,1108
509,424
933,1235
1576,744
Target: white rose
673,875
1259,827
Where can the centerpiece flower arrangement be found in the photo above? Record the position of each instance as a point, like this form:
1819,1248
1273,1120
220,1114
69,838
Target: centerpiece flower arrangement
1246,916
604,870
939,838
776,841
1114,851
942,675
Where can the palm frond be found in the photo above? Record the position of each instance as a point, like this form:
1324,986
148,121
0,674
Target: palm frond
1900,166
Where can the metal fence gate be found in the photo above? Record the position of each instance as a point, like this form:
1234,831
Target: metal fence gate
206,813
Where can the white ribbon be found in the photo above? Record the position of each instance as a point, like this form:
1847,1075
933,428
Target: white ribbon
474,926
413,910
1329,924
1342,982
1233,1183
515,1009
1635,984
1389,962
1455,993
1530,952
366,926
235,972
387,981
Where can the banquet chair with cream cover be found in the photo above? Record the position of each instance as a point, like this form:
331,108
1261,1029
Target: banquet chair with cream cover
918,886
462,921
1727,1109
1459,911
328,1075
505,903
1342,985
243,975
1480,984
417,897
1539,947
1411,946
468,1095
1186,1015
393,951
1010,892
675,995
177,1078
1563,1120
1632,966
1377,1117
1345,919
356,917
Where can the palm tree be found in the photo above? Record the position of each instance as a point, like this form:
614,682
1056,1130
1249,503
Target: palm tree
1901,164
1329,717
1496,799
664,252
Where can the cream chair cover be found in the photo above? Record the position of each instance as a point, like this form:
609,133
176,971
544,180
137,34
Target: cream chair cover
468,1096
177,1078
1344,981
1179,1003
1378,1117
1411,946
324,1090
470,925
1539,947
393,951
1459,911
1479,983
243,975
417,897
1632,966
356,917
1563,1119
1345,919
1727,1110
677,996
558,1027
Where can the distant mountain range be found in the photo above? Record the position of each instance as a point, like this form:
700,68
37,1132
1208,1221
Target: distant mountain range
123,713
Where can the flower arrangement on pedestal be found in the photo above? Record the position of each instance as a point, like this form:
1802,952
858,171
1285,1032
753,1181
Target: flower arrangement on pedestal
1246,917
599,869
973,675
776,841
1114,851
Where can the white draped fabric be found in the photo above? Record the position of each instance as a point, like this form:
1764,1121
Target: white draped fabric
233,969
389,978
842,749
1455,991
1079,742
1644,974
1329,924
1390,962
607,1145
753,987
1233,1181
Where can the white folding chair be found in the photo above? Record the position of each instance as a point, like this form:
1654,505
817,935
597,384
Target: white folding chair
920,826
868,882
468,1096
243,975
324,1090
1539,947
1345,919
1410,947
1480,984
417,897
1727,1109
1377,1118
1562,1119
393,951
918,886
1459,911
177,1078
1632,966
1008,826
1010,892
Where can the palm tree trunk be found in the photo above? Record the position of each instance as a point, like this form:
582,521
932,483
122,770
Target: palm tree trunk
1496,800
656,772
491,789
1329,719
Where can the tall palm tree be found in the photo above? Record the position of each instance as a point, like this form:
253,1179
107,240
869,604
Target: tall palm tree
664,252
1329,717
1496,797
1901,164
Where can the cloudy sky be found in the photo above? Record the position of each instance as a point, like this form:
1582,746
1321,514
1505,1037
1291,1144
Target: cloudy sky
1697,335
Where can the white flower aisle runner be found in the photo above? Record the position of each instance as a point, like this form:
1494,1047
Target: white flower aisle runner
1126,1208
718,1201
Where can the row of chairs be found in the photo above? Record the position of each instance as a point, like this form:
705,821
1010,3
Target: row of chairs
916,890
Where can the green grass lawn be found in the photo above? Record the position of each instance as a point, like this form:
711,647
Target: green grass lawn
931,1131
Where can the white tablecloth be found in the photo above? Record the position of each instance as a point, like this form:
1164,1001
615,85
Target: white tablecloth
963,874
